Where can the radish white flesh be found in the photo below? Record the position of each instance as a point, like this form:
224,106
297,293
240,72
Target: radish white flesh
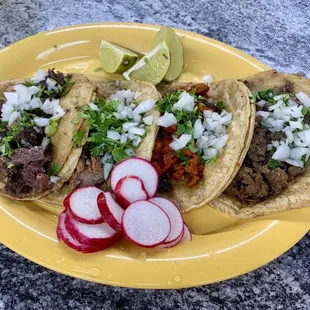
93,235
146,224
172,243
110,210
130,189
83,205
140,168
64,235
187,234
176,220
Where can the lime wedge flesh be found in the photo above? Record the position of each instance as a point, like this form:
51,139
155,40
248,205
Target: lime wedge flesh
152,67
114,58
176,50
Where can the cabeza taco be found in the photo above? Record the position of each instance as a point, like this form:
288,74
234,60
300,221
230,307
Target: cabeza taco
203,137
119,121
275,174
36,131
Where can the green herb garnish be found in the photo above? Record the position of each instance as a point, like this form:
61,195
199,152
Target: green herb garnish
219,106
273,164
304,110
75,121
55,169
211,161
98,69
77,138
304,158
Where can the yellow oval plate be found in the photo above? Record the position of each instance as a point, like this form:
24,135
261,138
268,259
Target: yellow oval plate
222,247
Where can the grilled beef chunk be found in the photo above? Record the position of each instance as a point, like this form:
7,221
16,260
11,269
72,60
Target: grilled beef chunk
256,180
93,175
28,175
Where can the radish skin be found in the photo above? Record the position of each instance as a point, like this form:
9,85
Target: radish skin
110,210
137,192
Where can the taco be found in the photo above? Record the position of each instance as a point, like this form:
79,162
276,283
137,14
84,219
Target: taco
34,130
119,122
275,174
203,137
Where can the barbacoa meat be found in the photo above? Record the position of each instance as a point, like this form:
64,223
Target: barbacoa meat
28,175
256,181
93,174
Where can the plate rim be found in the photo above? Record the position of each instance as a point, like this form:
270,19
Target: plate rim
199,37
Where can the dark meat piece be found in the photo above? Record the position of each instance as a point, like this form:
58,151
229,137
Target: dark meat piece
93,174
36,156
294,172
201,88
255,180
248,185
276,178
57,76
164,185
307,119
288,87
28,175
205,105
28,138
257,151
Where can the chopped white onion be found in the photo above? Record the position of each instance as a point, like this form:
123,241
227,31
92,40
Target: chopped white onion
145,106
261,103
107,157
282,153
130,152
13,117
123,138
137,141
198,129
107,167
303,98
148,120
186,102
262,113
181,142
128,125
113,135
137,131
39,76
168,119
54,179
41,121
93,106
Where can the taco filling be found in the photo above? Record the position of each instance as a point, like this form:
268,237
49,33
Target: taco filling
280,146
117,126
30,113
193,131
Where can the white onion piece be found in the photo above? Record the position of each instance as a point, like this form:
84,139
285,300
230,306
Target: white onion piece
262,113
113,135
128,125
198,129
145,106
39,76
261,103
148,120
207,78
107,167
13,117
41,121
303,98
93,106
282,153
186,102
181,142
167,120
54,179
137,131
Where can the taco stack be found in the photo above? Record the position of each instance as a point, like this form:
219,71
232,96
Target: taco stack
204,135
275,174
35,129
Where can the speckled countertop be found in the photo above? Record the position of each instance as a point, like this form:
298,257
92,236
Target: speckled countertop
275,32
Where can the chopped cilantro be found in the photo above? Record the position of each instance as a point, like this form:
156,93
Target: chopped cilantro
53,125
304,158
65,88
77,138
211,160
219,106
55,169
84,115
191,146
29,83
180,129
75,121
265,94
273,163
98,69
182,156
304,110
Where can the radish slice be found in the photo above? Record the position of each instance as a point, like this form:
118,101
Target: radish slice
64,235
83,205
130,189
66,201
110,210
187,234
140,168
176,220
146,224
172,243
99,236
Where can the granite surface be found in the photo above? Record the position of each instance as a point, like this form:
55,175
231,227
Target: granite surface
277,33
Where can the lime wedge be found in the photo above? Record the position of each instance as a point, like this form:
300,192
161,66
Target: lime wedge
152,67
176,50
114,58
